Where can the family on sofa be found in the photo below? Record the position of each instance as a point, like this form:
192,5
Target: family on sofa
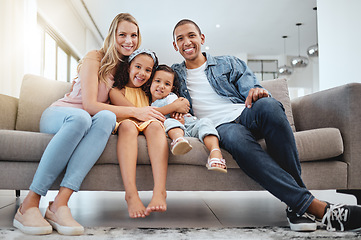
220,102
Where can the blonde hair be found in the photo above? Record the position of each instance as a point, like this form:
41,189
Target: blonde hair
111,56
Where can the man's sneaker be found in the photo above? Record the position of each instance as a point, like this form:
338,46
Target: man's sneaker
342,217
304,223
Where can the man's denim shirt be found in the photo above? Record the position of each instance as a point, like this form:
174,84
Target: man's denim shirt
229,76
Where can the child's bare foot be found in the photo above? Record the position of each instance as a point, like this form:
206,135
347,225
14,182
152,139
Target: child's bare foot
136,208
158,203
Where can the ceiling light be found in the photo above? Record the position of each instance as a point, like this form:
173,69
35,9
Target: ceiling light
299,61
284,70
218,25
206,47
313,50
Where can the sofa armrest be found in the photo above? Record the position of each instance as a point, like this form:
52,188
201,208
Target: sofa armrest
337,107
8,111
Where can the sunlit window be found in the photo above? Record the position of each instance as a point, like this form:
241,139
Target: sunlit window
49,57
59,62
73,68
62,69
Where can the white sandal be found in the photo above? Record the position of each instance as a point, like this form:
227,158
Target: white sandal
180,146
220,161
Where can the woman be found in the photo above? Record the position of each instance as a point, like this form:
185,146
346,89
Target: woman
82,122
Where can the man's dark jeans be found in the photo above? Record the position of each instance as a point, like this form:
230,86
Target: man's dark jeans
278,170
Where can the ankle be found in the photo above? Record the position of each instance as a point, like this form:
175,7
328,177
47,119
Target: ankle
31,200
131,195
215,153
317,208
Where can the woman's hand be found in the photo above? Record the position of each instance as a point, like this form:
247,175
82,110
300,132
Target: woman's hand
148,113
181,105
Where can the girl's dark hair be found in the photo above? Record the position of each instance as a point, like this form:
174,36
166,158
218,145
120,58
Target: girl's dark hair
166,68
163,67
121,76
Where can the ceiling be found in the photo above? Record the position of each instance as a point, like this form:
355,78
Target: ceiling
253,27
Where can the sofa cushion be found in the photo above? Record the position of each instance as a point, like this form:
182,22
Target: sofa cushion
317,144
22,146
8,111
279,90
313,145
321,143
36,94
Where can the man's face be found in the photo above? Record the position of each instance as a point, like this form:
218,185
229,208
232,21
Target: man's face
188,41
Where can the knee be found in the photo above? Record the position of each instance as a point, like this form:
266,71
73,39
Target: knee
128,128
270,109
155,126
79,121
205,122
106,119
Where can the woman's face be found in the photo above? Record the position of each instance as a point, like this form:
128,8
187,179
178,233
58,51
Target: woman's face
126,38
140,70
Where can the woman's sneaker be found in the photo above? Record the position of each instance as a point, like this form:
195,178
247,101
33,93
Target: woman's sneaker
32,222
342,217
304,223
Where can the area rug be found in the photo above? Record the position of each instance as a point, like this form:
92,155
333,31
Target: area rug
185,234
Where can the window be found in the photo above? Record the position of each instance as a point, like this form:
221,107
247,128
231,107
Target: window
59,62
264,69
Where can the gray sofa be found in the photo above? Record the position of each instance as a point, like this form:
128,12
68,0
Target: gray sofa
326,125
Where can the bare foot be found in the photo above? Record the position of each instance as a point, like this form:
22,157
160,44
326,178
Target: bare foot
158,203
136,208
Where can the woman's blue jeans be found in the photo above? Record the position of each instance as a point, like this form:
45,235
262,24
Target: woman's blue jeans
278,170
78,142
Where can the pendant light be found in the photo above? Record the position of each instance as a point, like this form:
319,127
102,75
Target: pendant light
299,61
284,70
313,50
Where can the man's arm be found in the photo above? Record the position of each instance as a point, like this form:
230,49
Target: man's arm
247,83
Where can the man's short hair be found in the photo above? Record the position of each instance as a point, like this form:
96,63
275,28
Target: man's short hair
186,21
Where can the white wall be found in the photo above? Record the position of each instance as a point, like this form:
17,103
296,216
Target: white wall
17,44
339,40
68,19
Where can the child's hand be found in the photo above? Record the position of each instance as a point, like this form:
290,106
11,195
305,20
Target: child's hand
182,105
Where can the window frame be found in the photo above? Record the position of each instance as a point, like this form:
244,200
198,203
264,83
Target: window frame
45,28
262,72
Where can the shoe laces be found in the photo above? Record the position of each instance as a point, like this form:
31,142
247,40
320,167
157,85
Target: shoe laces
337,213
309,216
305,215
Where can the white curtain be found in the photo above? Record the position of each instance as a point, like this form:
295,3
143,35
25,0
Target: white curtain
18,43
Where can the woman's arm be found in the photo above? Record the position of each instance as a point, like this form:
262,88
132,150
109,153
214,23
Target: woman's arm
181,105
89,83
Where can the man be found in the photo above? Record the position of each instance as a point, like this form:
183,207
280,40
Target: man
225,90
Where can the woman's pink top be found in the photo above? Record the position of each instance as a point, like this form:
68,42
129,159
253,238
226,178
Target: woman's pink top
74,98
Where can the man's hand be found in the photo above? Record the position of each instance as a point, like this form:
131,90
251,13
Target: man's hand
254,94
